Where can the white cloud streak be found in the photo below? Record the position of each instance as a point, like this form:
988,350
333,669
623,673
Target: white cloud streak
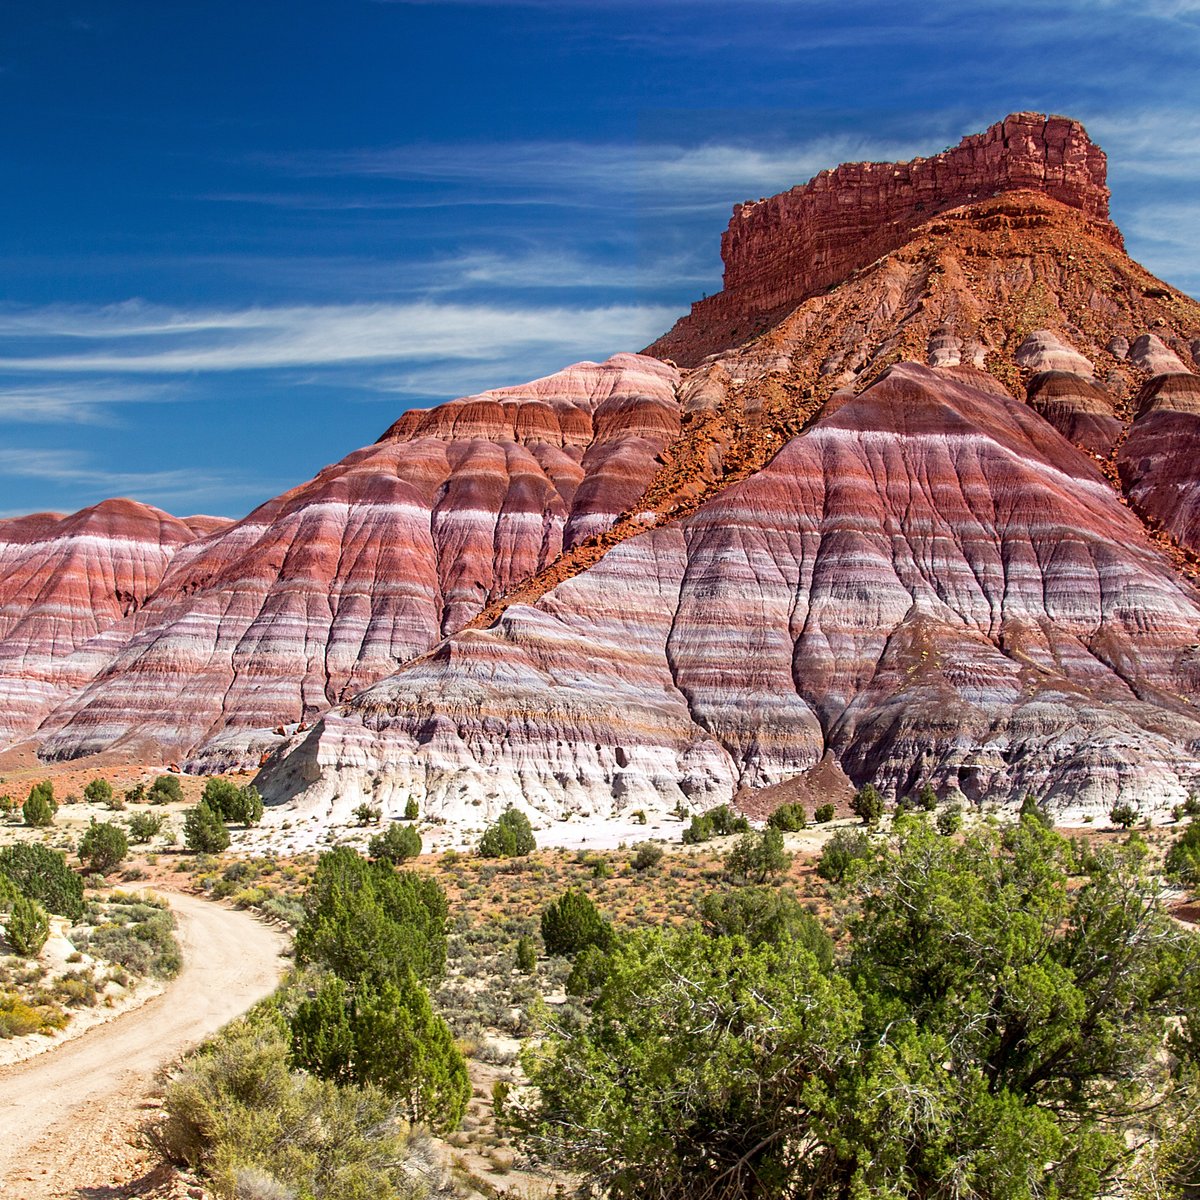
543,172
73,468
1163,142
141,339
76,402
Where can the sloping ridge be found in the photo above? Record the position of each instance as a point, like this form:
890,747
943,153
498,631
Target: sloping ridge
65,582
324,590
1012,625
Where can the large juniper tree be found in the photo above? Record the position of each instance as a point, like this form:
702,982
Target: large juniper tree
1004,1024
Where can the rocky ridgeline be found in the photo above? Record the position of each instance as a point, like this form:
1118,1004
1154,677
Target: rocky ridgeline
779,251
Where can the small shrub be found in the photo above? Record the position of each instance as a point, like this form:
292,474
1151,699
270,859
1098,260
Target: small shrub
99,791
927,797
238,871
166,789
145,826
28,927
1183,858
764,915
267,1132
646,856
824,814
411,811
867,804
397,844
758,856
717,822
788,818
1123,814
510,837
249,897
18,1018
367,814
134,934
589,970
572,922
204,831
846,847
949,820
288,909
103,847
137,795
39,808
249,807
526,956
237,805
1033,810
384,1033
77,989
42,874
725,821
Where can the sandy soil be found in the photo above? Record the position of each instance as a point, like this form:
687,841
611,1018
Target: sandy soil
66,1117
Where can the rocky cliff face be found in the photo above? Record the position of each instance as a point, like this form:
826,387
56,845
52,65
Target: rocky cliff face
938,521
953,571
780,251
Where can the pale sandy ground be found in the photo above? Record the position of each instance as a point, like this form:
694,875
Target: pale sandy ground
600,834
21,1049
66,1117
316,834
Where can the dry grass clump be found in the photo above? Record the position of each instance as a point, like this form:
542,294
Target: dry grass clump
133,932
260,1130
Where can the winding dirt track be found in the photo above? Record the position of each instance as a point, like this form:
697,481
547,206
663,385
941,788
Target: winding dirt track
66,1115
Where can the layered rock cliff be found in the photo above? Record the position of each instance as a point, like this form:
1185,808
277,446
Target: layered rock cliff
930,583
780,251
926,572
64,581
921,505
333,585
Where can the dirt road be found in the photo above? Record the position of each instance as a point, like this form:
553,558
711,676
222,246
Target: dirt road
66,1115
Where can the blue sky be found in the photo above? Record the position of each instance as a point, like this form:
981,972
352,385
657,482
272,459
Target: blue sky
238,239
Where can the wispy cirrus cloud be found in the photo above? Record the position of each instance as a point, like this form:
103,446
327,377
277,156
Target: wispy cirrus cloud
75,468
545,171
144,339
1159,142
1164,237
76,402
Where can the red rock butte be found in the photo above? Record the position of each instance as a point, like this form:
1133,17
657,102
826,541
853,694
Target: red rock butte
780,251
